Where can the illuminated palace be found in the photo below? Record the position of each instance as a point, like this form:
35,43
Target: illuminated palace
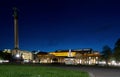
78,56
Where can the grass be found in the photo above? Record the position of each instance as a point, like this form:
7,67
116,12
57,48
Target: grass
38,71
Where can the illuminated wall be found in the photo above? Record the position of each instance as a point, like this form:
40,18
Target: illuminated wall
63,53
78,56
27,55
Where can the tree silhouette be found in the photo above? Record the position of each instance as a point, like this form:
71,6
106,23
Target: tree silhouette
117,50
1,54
106,53
5,55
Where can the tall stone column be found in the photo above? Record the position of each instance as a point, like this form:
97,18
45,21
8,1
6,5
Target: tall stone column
16,53
16,35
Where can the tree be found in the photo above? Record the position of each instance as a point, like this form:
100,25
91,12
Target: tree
5,55
1,54
117,50
106,53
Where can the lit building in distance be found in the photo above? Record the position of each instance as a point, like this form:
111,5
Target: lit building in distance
78,56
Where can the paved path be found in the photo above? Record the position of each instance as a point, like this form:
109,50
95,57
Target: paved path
95,71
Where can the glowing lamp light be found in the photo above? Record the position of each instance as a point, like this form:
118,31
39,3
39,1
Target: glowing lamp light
17,55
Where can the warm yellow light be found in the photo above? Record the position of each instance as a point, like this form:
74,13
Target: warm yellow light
63,53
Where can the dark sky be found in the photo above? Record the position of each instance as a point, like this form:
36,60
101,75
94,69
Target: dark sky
60,24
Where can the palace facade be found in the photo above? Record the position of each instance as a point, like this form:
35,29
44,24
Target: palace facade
78,56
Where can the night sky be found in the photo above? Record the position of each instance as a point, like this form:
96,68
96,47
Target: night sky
60,24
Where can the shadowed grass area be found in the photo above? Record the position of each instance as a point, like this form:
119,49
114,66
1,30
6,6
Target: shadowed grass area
38,71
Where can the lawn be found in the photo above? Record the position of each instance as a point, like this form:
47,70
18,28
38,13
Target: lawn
38,71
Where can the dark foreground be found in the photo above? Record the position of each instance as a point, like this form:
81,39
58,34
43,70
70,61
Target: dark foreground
95,71
37,70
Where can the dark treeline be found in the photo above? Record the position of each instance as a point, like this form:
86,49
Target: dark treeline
109,54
